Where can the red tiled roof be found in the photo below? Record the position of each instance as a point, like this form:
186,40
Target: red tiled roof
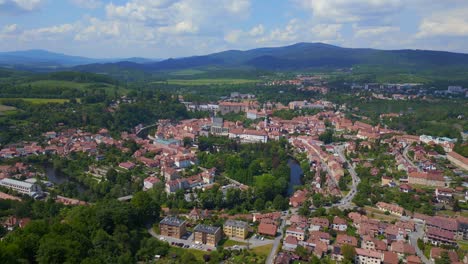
267,229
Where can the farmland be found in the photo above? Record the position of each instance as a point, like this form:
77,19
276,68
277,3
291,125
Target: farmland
196,82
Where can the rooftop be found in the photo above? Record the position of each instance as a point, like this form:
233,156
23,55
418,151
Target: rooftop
206,229
172,221
236,223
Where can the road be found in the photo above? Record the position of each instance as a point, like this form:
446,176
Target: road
413,239
346,202
405,155
276,243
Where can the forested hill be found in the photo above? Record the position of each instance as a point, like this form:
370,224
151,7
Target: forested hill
302,56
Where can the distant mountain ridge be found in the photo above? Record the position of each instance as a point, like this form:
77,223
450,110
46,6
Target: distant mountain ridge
300,56
36,59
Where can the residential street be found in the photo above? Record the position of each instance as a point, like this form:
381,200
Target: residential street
346,202
413,239
274,249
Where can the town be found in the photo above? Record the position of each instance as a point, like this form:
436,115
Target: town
357,192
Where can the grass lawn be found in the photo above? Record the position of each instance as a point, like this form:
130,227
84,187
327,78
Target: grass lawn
179,251
263,250
230,243
40,100
463,245
209,81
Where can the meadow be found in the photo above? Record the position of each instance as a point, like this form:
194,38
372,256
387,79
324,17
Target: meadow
37,100
220,81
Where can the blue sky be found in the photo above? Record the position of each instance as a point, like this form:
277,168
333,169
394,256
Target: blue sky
176,28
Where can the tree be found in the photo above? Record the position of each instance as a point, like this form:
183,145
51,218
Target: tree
327,136
111,175
348,252
444,258
145,206
456,206
280,203
259,204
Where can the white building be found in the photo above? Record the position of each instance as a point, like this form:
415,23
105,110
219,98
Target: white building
21,186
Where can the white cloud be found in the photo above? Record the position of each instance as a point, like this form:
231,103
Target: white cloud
10,29
351,10
371,32
257,30
452,22
89,4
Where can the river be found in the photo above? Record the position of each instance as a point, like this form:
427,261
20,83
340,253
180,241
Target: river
295,175
57,177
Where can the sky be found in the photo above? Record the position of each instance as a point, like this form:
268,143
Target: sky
178,28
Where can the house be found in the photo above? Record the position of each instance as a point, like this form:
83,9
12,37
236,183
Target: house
235,228
298,198
13,222
336,254
402,249
413,260
267,229
296,232
458,160
318,223
405,188
366,256
173,227
127,165
390,258
30,189
442,230
207,235
290,243
321,236
439,236
339,224
444,195
342,239
150,182
391,208
434,179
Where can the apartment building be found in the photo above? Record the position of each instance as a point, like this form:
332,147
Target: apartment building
208,235
173,227
234,228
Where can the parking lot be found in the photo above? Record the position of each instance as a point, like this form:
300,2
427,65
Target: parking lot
185,242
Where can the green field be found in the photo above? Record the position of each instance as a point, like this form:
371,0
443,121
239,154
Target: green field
263,250
186,72
56,83
72,85
39,100
6,110
208,81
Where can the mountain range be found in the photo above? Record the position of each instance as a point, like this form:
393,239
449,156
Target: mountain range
299,56
42,59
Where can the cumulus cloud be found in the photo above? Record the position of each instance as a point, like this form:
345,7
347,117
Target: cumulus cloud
351,10
19,6
452,22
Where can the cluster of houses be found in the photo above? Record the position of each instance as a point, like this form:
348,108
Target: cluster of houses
375,241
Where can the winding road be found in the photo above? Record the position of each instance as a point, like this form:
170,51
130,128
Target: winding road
346,202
